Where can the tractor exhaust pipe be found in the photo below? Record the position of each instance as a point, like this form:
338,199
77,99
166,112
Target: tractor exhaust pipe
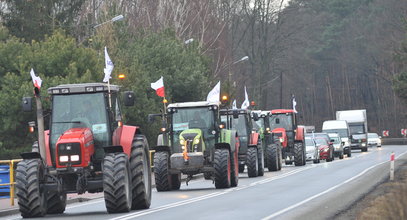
40,124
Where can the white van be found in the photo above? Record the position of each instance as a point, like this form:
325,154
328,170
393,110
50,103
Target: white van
342,129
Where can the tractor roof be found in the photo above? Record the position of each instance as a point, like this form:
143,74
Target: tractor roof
192,104
82,88
282,111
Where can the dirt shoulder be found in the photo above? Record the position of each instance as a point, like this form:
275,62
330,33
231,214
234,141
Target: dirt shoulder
388,200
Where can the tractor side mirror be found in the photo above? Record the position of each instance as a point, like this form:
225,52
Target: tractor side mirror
235,114
128,97
255,116
27,104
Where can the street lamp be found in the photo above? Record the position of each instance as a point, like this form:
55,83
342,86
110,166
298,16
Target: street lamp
237,61
117,18
189,41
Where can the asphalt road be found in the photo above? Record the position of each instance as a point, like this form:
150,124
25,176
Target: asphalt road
314,191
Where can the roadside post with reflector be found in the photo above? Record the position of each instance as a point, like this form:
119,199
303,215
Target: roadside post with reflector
403,132
392,157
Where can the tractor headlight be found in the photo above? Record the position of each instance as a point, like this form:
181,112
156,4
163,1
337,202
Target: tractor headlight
63,158
326,149
182,141
74,158
281,140
196,141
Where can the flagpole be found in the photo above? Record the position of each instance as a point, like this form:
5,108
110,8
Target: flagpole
110,96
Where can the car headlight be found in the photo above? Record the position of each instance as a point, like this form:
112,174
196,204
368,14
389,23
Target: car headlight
182,141
363,144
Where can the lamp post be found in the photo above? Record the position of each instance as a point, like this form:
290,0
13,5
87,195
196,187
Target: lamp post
116,18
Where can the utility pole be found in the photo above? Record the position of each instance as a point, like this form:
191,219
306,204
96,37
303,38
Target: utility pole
281,89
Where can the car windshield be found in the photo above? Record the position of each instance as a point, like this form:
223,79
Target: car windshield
321,141
78,111
341,132
309,142
373,135
336,140
281,121
356,129
193,118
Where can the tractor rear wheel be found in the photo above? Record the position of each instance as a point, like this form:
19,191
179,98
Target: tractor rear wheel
234,181
272,157
252,162
161,171
222,165
260,156
117,183
140,174
56,203
31,196
299,154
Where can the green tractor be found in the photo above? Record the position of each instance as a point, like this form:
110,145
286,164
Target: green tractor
192,142
250,151
271,144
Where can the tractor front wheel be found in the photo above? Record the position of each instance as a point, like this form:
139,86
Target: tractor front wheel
56,203
252,162
140,174
31,196
161,171
117,183
272,157
299,154
222,165
260,156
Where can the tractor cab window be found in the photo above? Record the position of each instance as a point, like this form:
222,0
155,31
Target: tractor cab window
78,111
239,124
281,121
193,118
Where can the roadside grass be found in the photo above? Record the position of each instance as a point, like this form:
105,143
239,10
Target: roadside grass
391,205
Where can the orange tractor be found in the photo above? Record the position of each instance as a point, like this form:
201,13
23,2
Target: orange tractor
283,124
86,149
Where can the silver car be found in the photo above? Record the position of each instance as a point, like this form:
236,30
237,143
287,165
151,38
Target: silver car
311,148
338,144
374,139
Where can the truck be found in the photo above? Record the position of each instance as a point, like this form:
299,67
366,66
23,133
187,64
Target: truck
357,122
342,129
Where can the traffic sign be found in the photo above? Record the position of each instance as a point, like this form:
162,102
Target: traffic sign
404,132
385,133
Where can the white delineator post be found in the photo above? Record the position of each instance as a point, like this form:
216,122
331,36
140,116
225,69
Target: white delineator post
392,166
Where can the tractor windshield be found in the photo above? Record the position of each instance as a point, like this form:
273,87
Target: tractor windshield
78,111
281,121
193,118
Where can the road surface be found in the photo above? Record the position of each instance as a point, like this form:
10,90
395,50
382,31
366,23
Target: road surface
314,191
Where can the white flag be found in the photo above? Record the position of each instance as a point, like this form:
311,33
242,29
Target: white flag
36,79
108,67
234,106
246,102
214,94
294,104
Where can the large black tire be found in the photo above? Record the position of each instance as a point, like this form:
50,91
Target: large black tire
260,157
117,183
349,153
341,155
175,181
280,157
241,168
234,181
299,154
31,196
222,165
252,162
364,149
56,203
207,176
161,171
140,168
272,157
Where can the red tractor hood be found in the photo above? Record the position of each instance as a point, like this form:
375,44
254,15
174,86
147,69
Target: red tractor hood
75,133
282,137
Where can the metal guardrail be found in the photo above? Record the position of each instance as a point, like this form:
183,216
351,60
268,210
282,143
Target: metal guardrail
11,164
394,141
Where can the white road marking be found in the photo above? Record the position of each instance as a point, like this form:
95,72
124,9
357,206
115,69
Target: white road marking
326,191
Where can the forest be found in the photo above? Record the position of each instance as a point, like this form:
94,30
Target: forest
331,54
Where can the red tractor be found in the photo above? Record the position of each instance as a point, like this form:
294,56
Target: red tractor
283,124
86,149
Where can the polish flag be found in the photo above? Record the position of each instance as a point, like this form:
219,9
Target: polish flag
36,79
159,87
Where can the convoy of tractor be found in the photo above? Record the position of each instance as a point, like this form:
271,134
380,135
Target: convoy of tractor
89,150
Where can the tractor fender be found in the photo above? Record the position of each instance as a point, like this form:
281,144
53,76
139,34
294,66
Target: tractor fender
125,137
299,134
254,138
228,140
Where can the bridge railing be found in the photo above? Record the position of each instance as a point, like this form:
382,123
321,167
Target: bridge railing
11,164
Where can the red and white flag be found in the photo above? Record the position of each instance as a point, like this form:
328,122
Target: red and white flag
159,87
36,79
